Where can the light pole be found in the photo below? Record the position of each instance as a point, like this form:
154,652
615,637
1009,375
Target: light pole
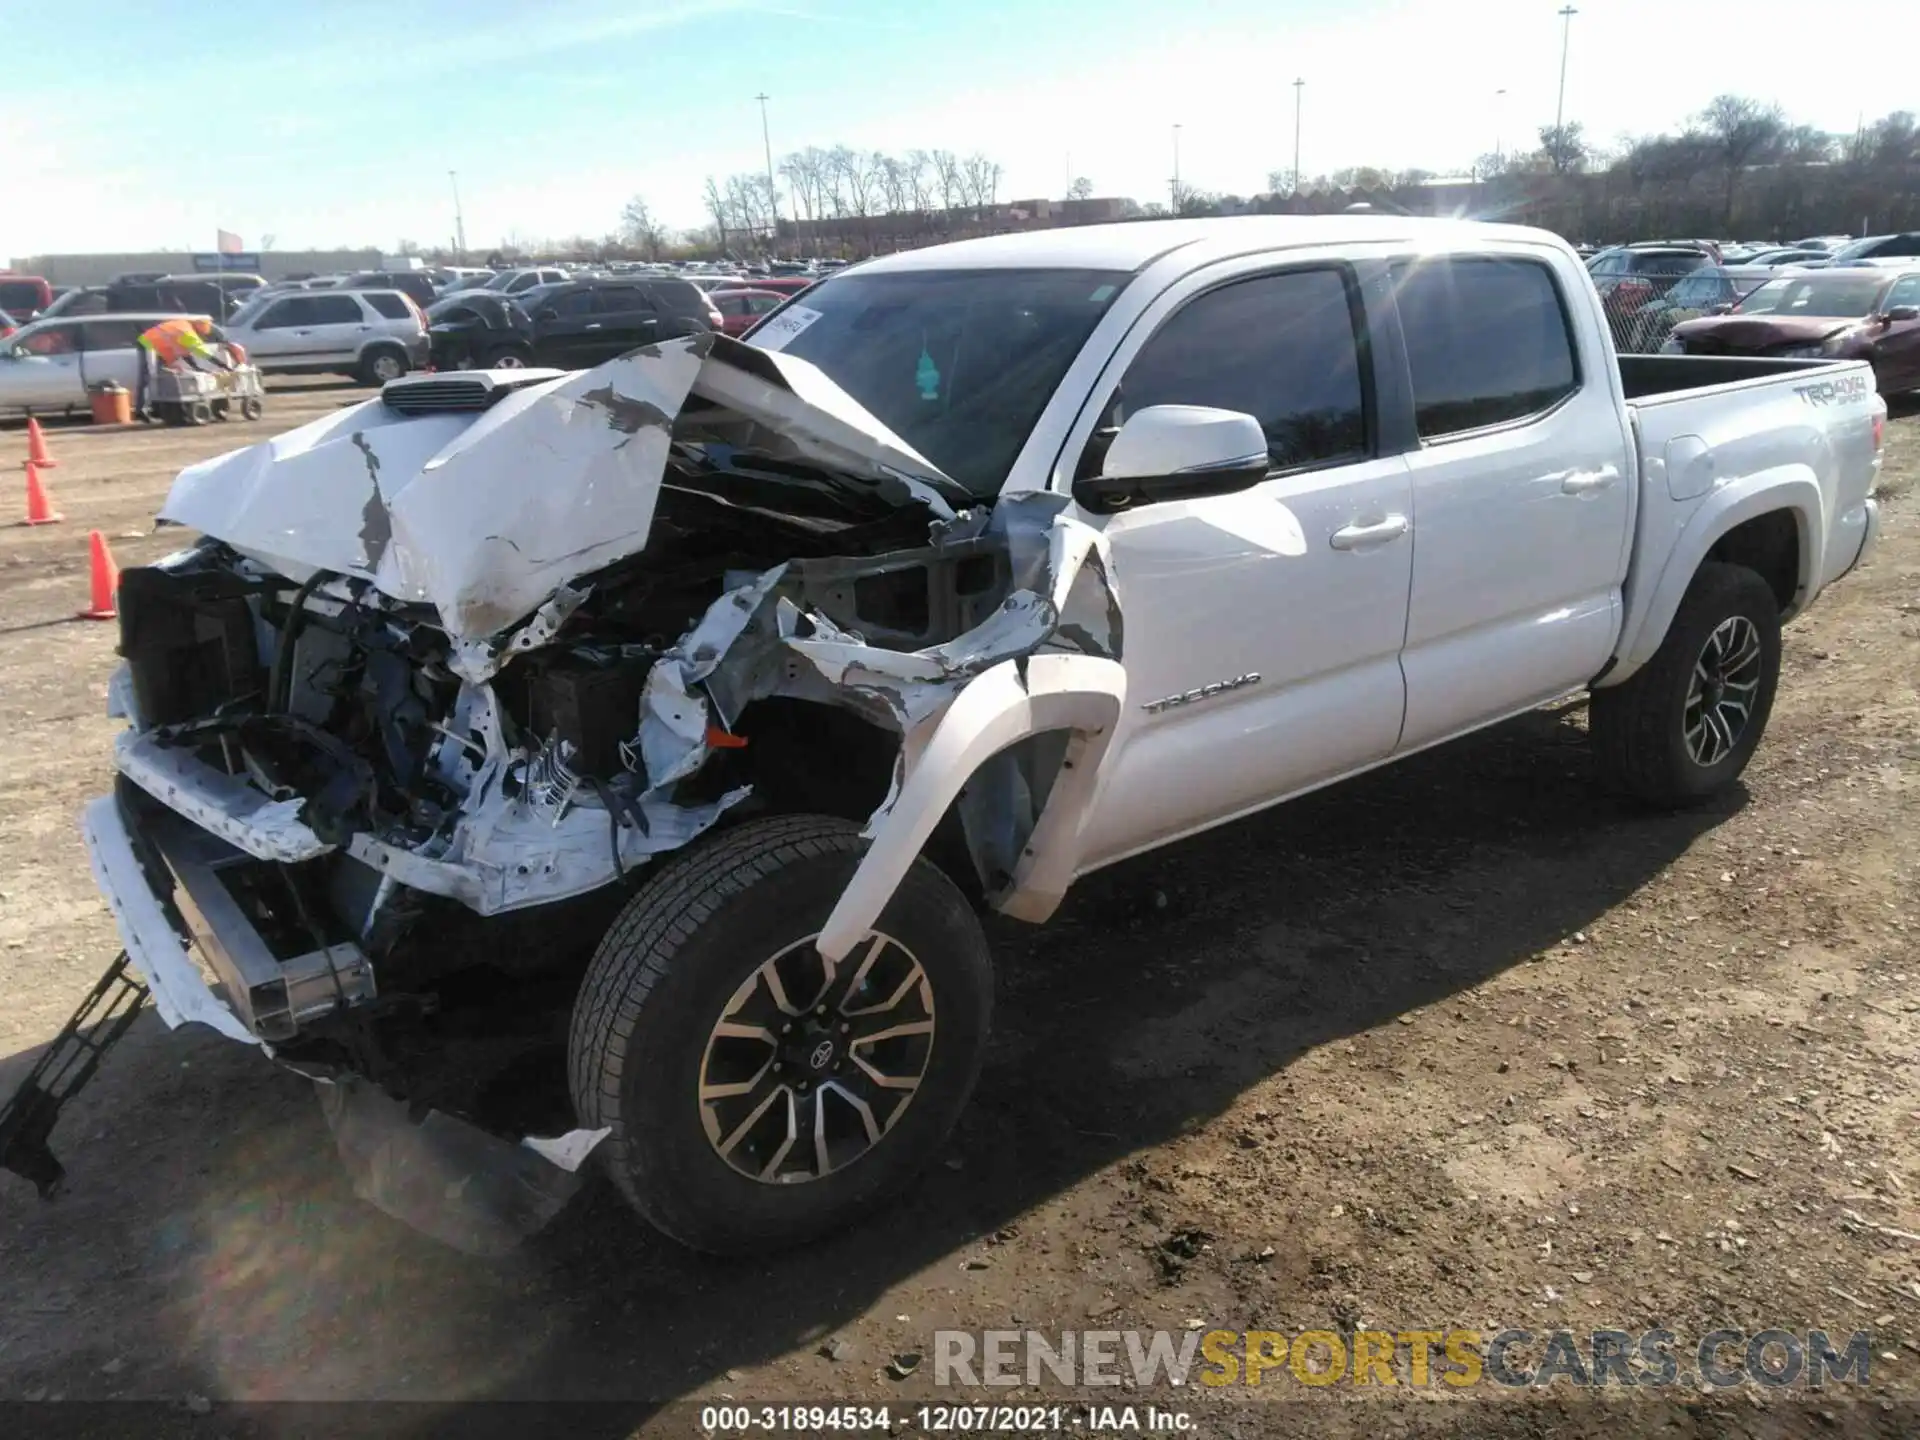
459,221
1299,89
773,194
1499,125
1173,189
1566,34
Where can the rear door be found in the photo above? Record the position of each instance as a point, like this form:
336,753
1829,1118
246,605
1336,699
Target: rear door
339,327
1521,490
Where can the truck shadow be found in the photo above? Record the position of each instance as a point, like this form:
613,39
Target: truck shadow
1165,988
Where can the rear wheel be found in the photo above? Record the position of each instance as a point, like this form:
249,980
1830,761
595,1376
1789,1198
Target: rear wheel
252,408
1686,724
381,364
758,1094
506,357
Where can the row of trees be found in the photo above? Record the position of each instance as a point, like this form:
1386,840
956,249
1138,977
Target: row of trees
1740,166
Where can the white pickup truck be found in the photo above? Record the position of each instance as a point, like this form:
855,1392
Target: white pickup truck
707,695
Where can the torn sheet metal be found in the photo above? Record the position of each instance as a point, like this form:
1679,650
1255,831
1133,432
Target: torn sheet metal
485,516
450,1179
179,991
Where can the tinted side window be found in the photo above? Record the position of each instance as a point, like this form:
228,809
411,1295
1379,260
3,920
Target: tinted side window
678,297
393,307
731,304
578,302
622,299
336,310
1282,348
1904,292
284,314
1487,342
110,334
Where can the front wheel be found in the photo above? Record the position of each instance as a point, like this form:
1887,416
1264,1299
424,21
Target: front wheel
759,1095
381,365
1686,724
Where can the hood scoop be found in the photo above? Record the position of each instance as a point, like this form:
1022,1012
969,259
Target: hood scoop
458,392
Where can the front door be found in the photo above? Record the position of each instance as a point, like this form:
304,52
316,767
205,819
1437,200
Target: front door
1290,597
45,375
1896,350
1522,489
567,330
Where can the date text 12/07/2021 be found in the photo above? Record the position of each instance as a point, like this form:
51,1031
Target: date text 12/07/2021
720,1420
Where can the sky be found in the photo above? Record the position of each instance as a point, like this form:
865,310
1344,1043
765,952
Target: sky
336,122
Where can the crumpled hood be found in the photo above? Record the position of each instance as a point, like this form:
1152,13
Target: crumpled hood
483,516
1742,334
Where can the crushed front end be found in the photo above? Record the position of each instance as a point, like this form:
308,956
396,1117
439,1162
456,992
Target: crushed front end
407,725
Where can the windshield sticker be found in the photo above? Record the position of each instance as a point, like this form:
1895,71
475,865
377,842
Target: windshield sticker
1102,295
779,332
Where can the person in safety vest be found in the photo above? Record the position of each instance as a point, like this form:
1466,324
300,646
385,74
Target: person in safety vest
172,342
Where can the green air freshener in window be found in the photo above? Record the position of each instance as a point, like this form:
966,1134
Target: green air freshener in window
927,376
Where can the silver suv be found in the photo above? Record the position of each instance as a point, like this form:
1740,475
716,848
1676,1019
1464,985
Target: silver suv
373,335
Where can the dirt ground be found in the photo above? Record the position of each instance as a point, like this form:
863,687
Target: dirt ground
1462,1044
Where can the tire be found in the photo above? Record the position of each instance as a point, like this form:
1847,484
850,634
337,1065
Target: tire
507,357
690,948
200,413
221,409
252,408
1640,729
380,364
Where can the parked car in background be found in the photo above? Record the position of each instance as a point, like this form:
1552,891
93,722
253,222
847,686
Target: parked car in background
1783,255
740,309
24,296
512,282
1821,314
1899,250
1820,242
174,294
787,285
372,335
1633,276
417,285
1707,289
568,325
46,368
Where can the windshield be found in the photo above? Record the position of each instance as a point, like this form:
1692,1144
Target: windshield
957,363
1828,296
1700,288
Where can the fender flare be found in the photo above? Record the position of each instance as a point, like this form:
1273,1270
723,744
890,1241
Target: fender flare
1079,693
1791,488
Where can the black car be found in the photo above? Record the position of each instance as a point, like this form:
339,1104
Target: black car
571,326
416,285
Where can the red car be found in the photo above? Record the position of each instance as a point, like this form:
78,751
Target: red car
786,285
739,309
1871,315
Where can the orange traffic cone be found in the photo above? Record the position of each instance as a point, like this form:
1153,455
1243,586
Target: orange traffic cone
106,579
40,509
37,446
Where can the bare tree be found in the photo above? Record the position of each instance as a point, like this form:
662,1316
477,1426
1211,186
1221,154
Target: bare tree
1080,189
919,170
639,229
949,178
719,209
1746,132
895,182
855,180
1279,182
980,180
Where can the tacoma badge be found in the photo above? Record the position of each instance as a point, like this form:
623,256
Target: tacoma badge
1204,692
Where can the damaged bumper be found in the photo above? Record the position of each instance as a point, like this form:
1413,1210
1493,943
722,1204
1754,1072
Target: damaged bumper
162,878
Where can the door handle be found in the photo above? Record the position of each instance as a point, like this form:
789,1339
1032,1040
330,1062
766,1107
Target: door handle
1585,482
594,325
1374,532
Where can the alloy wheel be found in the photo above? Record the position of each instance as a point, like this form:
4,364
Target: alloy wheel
1720,695
812,1063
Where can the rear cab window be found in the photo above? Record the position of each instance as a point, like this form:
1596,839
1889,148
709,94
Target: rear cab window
1489,342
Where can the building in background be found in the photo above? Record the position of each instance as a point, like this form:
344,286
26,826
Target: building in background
273,264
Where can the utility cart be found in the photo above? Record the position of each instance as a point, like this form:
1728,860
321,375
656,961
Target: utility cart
195,397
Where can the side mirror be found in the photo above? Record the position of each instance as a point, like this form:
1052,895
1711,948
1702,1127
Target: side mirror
1176,452
1722,309
1903,312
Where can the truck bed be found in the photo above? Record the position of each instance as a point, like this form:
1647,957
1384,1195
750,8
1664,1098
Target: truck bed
1652,377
